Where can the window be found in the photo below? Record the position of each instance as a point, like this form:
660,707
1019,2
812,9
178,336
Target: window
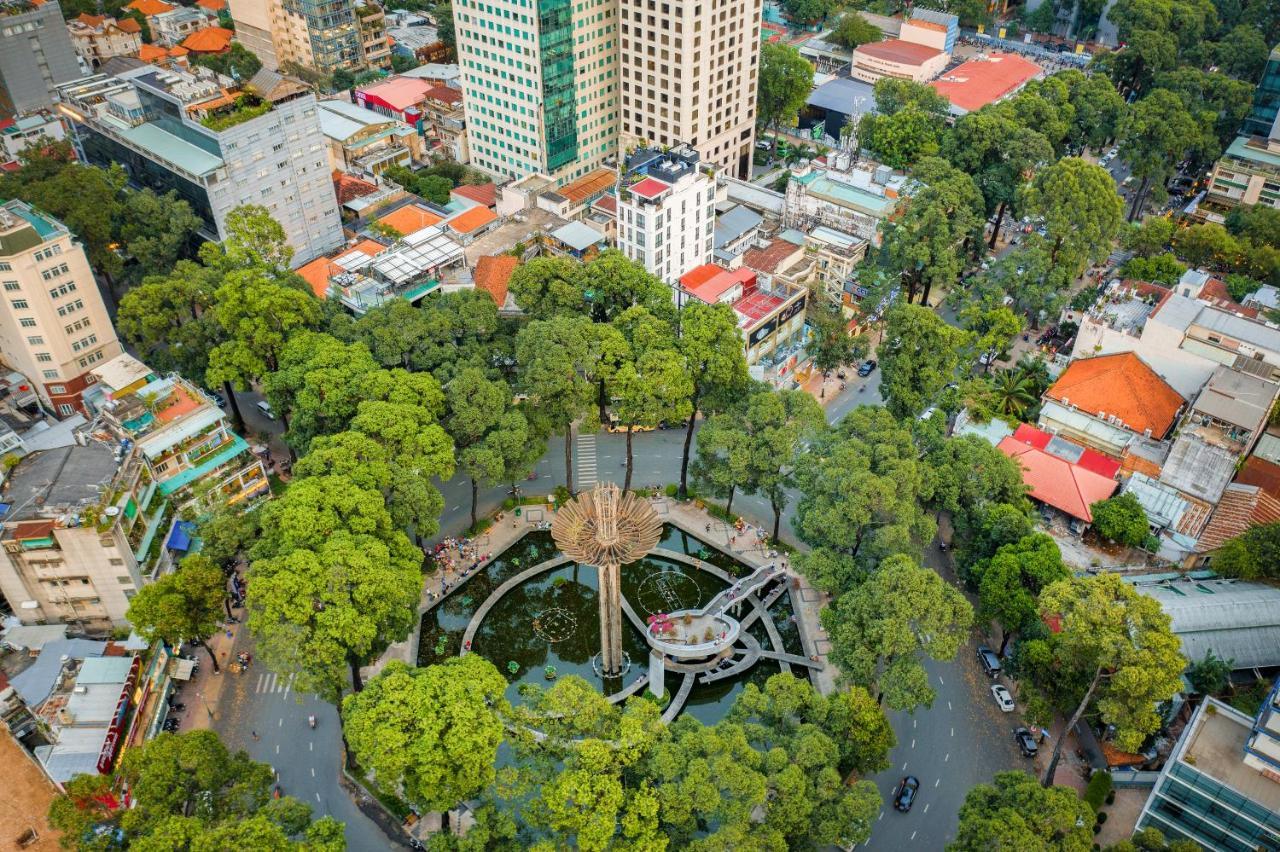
19,304
51,374
12,286
66,409
27,322
5,266
57,388
36,340
44,357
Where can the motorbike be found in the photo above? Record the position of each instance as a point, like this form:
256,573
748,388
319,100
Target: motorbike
312,721
177,706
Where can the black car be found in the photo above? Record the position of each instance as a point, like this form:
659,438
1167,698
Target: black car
1026,742
905,796
866,368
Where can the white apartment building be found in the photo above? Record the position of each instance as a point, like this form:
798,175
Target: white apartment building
540,85
689,72
215,146
53,324
666,212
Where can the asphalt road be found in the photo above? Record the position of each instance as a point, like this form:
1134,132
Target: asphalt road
962,740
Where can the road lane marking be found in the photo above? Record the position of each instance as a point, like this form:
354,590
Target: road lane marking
289,685
926,808
880,817
904,767
258,688
941,681
454,508
317,797
312,746
913,742
913,722
277,749
953,732
937,781
313,772
948,757
281,725
913,835
948,705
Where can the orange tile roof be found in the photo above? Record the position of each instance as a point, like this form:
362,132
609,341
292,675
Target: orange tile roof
1055,481
128,25
318,272
1240,508
152,53
444,94
1262,473
410,218
472,220
180,403
347,187
150,7
592,183
485,193
492,275
209,40
1121,385
92,20
978,82
212,5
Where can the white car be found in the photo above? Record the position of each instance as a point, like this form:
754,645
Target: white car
1003,697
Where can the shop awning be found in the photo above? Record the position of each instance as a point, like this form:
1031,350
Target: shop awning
180,535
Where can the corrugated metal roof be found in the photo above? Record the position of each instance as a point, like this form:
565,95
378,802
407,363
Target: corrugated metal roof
1198,468
1237,621
36,681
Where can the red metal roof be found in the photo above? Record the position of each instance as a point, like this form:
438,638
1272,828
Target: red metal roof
1089,459
978,82
897,50
1067,487
756,305
710,281
485,193
650,188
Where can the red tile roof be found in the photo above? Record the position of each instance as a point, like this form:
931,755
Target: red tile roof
472,220
318,272
897,50
212,5
485,193
771,256
1067,487
1216,293
650,188
347,187
209,40
92,20
607,203
1240,508
1088,459
1121,385
410,218
978,82
444,94
128,25
492,275
32,529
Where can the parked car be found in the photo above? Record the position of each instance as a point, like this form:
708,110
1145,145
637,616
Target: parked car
905,796
988,660
265,409
218,399
1026,742
867,368
1004,699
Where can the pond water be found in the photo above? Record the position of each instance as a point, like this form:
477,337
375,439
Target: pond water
552,619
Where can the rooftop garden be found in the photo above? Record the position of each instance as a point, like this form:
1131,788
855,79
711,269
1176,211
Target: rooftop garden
245,107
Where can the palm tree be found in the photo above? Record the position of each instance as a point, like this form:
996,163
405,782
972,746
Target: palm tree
1015,392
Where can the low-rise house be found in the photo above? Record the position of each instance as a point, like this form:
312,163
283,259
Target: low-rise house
365,142
577,240
771,316
173,27
1060,474
1106,401
484,194
574,199
399,97
1235,621
737,229
899,60
443,122
21,132
855,200
97,38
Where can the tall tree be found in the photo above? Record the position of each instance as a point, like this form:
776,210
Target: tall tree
553,357
156,231
1121,519
1098,108
1119,639
907,123
490,437
862,485
993,328
1081,210
920,355
166,319
1154,135
183,606
186,791
714,357
317,384
1010,582
1253,554
880,630
431,732
830,344
778,426
854,30
722,465
1014,812
784,83
332,583
654,388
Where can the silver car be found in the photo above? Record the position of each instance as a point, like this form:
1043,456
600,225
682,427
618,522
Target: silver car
1003,697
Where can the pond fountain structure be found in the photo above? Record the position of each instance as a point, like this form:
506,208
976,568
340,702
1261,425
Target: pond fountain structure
714,644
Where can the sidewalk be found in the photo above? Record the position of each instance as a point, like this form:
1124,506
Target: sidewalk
203,694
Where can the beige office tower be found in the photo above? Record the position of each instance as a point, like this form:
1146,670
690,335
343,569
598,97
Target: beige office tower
53,325
320,34
689,75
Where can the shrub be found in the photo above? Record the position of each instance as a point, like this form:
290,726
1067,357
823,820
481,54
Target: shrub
1102,817
672,489
1096,792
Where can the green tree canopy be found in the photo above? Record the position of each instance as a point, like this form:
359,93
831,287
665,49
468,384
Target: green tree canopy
1081,210
1010,582
431,732
185,605
920,355
881,630
785,81
188,792
1015,812
554,357
715,359
332,583
853,30
1121,519
1252,555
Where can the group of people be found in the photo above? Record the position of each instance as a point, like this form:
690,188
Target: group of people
455,559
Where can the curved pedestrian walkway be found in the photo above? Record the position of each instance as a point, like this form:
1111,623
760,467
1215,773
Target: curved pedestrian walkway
500,592
680,698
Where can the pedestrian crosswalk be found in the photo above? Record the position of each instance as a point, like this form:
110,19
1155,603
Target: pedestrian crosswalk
585,467
271,682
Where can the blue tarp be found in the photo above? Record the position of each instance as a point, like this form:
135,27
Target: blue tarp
180,535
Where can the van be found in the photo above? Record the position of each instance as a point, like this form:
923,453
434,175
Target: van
265,410
989,661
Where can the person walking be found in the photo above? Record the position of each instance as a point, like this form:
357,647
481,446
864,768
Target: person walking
255,736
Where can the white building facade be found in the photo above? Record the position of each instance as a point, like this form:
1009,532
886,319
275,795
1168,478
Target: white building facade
666,212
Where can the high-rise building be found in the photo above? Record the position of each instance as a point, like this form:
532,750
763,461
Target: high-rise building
35,55
217,147
688,72
1266,99
1221,785
53,325
540,84
666,212
322,34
